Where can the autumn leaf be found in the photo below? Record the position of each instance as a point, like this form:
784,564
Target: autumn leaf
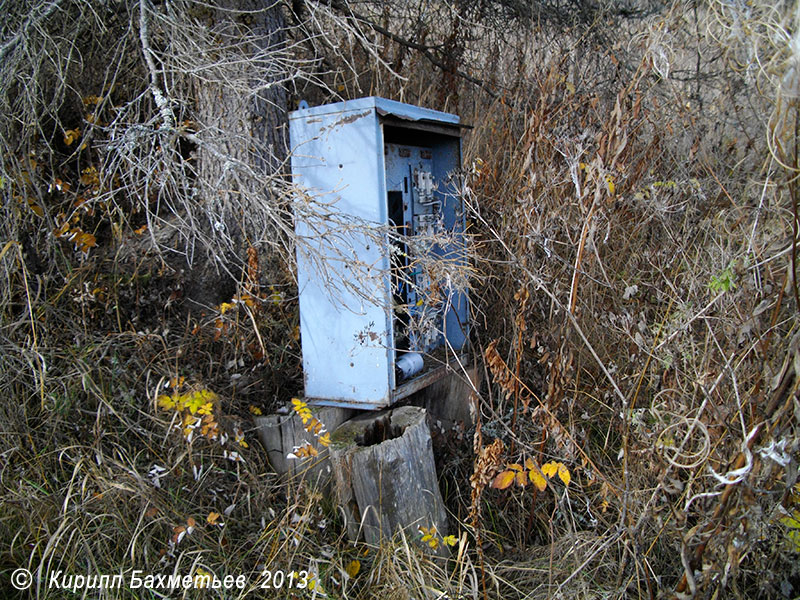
61,186
522,478
353,567
70,135
610,184
537,479
166,402
212,518
550,469
429,536
254,410
563,474
450,540
238,436
89,177
503,480
225,307
304,451
198,400
201,578
314,426
37,210
302,410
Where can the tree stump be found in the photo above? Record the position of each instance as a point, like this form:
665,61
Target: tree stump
385,476
281,434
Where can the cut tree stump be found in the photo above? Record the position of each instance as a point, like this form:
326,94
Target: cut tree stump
450,399
281,434
385,476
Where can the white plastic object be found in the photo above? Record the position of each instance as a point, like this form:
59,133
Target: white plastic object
410,364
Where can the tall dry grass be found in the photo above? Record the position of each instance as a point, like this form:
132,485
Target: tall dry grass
632,194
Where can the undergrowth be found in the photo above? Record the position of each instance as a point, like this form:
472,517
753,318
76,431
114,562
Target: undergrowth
632,203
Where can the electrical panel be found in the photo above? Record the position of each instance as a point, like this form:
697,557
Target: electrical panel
381,254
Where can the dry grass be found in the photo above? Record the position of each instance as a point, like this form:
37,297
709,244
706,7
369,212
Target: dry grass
633,204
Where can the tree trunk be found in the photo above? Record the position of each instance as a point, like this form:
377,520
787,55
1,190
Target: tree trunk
385,476
241,113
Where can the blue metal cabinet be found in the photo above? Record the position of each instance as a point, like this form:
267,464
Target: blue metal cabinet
371,173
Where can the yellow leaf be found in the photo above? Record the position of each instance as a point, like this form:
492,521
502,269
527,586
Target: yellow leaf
503,480
515,467
71,135
89,176
529,464
450,540
62,230
166,402
550,469
225,307
205,409
35,208
194,403
353,568
563,474
254,410
537,479
522,479
201,578
302,410
197,401
325,439
306,451
610,184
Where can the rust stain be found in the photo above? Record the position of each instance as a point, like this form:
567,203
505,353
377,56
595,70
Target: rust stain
346,120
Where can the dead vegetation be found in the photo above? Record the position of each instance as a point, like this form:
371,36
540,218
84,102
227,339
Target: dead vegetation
632,183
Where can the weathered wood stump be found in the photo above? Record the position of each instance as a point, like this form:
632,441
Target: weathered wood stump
281,434
385,476
449,400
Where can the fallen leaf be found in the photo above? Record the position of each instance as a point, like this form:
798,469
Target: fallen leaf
503,480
